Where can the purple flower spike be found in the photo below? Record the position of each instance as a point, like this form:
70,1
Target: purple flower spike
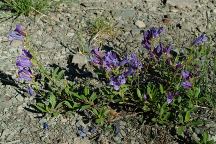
23,62
187,84
111,60
201,39
24,75
17,34
116,82
185,74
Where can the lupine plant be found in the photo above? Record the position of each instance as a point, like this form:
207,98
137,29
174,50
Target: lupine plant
159,83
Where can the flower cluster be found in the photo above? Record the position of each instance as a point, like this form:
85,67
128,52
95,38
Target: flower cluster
186,76
159,49
17,34
110,61
23,61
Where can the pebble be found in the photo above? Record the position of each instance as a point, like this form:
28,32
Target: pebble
140,24
19,98
80,59
181,4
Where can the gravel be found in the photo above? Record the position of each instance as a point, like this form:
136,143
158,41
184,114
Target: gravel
54,38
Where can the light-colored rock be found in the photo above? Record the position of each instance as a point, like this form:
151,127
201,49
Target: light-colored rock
80,59
182,4
140,24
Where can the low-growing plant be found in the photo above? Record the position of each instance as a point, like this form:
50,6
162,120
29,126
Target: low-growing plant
162,83
26,7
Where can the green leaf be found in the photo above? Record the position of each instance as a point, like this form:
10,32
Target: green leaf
139,94
197,92
60,74
81,97
180,130
52,101
54,74
205,137
86,91
161,89
95,111
67,103
149,91
40,107
85,107
93,97
187,116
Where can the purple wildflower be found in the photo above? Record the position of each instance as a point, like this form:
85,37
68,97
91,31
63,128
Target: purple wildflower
199,40
24,75
26,53
17,34
155,32
82,132
111,60
30,91
185,74
186,84
116,82
129,72
97,56
167,49
45,126
158,50
134,61
149,34
170,97
178,65
23,62
145,97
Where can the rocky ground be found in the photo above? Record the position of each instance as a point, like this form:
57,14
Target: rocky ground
54,37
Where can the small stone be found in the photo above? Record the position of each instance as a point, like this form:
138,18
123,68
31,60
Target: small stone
214,11
140,24
19,109
19,98
5,133
181,4
123,133
80,59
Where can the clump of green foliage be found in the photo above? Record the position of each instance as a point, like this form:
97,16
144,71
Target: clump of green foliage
26,7
162,84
